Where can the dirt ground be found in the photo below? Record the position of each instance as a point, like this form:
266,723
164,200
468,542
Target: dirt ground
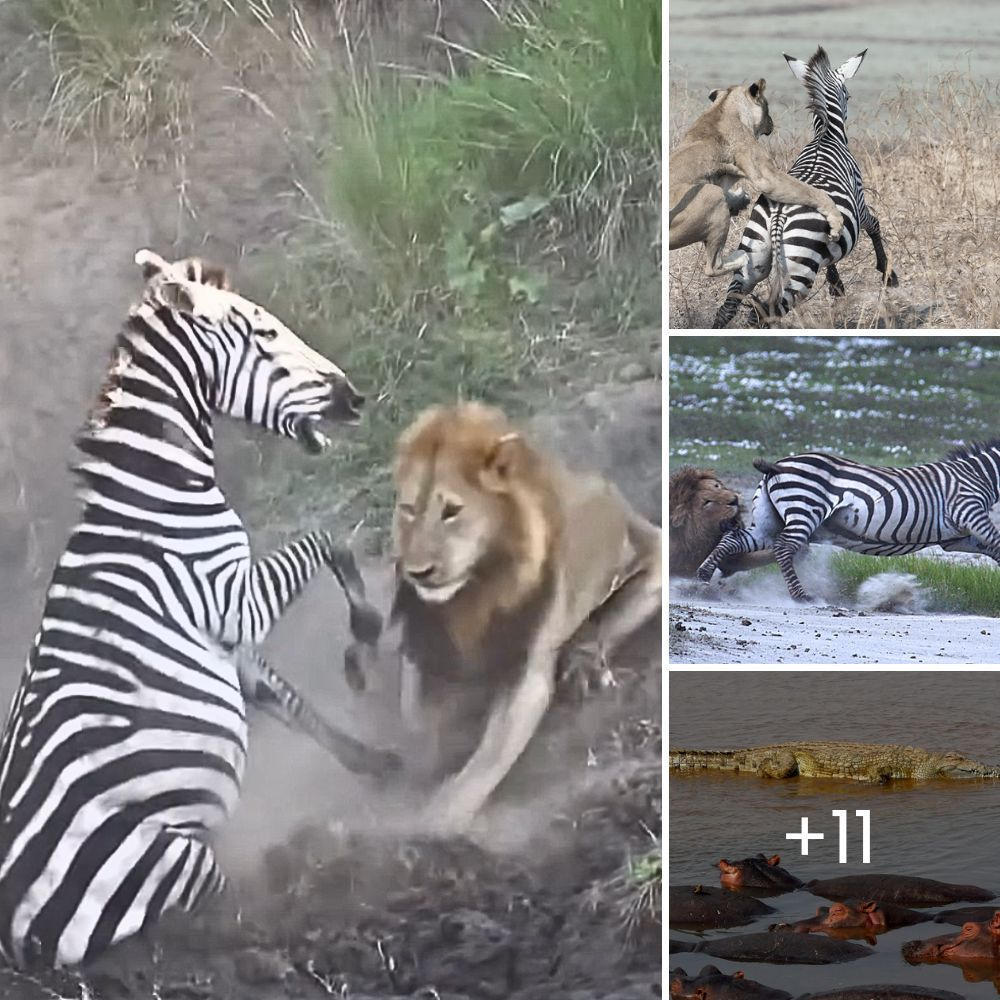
702,631
330,894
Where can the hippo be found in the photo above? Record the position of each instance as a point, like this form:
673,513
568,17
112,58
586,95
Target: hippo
677,946
757,875
710,984
856,919
883,992
975,944
783,948
703,907
903,890
963,914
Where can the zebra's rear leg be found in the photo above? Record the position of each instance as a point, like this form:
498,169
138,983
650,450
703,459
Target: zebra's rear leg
834,283
788,543
753,272
874,231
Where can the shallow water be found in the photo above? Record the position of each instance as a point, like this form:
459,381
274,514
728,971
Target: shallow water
948,830
908,42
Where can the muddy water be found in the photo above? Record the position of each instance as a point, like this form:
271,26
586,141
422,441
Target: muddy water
944,830
908,41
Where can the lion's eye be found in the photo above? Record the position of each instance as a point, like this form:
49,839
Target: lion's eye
708,503
406,509
450,511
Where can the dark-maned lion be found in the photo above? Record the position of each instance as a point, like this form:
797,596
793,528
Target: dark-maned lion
702,510
502,555
706,168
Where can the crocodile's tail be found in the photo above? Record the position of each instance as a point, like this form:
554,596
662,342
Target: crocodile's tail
768,468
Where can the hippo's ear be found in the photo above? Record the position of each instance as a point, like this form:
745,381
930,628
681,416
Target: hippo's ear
774,861
868,906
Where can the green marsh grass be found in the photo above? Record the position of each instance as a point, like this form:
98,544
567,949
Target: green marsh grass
950,586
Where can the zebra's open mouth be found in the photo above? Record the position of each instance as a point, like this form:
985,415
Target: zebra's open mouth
312,438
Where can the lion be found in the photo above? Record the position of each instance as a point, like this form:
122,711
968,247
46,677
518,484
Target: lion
503,557
702,510
718,152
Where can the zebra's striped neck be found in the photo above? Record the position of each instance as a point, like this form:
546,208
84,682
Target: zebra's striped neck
829,128
149,440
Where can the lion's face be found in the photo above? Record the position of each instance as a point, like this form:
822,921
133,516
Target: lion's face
716,504
444,527
702,509
751,105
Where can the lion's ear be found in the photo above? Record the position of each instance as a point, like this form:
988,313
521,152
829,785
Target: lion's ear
714,94
504,462
756,90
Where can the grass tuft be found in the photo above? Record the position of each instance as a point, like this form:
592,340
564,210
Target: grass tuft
110,61
640,905
950,586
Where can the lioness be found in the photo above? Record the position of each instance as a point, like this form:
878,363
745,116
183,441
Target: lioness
502,555
719,150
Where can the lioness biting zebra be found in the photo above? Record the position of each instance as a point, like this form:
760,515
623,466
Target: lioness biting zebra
719,151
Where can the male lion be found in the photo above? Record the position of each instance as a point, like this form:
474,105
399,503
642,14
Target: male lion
719,150
702,510
502,556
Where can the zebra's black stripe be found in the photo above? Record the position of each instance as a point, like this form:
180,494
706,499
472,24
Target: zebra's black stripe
869,509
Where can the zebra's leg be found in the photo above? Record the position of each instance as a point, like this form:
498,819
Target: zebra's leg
265,688
753,271
834,283
275,581
791,539
874,231
765,523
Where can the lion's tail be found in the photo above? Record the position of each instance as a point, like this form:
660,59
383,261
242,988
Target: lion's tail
768,468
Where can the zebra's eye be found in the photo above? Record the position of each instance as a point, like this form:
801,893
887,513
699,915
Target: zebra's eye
266,334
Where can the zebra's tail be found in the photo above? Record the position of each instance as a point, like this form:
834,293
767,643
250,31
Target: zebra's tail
779,266
768,468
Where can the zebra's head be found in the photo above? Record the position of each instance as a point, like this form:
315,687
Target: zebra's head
826,86
260,371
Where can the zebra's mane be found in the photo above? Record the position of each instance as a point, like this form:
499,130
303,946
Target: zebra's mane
972,449
819,70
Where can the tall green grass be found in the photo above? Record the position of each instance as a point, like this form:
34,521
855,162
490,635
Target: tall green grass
950,586
559,123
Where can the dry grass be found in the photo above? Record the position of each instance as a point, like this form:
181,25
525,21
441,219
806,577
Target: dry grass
930,172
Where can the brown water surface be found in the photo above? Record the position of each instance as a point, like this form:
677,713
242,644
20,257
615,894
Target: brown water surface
947,830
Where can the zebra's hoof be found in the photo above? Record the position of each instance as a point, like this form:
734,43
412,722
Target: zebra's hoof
892,281
705,574
804,598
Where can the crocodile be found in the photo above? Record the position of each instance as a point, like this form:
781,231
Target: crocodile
878,762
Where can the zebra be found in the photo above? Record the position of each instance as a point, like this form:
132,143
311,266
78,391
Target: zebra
870,509
127,738
792,241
